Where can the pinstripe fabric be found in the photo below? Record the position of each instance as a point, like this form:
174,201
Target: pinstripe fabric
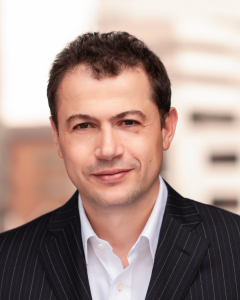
197,256
22,275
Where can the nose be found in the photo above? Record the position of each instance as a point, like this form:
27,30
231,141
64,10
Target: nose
108,144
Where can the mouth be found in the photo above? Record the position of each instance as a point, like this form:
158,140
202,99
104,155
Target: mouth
112,175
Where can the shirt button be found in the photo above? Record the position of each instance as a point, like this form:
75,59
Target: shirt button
100,246
120,286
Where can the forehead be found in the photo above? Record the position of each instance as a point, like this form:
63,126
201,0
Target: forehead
80,91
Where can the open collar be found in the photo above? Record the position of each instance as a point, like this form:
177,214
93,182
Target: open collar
152,226
178,257
180,250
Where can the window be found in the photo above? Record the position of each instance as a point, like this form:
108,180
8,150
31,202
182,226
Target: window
212,118
225,203
223,158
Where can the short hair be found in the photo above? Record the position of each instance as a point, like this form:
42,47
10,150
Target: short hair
106,55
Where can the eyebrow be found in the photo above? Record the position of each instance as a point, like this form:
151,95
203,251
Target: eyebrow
80,116
130,113
118,116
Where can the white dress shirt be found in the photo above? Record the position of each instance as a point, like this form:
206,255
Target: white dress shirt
107,278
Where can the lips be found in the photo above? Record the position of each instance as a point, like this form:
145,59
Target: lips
112,175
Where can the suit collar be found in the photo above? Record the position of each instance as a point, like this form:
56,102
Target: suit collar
64,215
180,251
152,226
181,209
62,256
177,260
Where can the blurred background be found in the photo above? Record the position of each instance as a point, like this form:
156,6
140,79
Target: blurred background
199,43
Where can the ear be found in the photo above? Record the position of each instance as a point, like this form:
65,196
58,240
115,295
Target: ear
56,137
169,128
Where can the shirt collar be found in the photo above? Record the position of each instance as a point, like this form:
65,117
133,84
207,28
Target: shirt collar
152,228
150,231
86,228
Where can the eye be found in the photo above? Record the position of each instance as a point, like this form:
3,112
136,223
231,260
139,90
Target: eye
82,126
129,122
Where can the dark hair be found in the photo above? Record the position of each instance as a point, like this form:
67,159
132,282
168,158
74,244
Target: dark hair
108,54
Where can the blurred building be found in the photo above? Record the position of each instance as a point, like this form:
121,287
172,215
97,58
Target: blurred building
2,177
33,179
36,178
2,131
199,43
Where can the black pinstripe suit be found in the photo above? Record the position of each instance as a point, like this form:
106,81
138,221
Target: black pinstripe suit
197,256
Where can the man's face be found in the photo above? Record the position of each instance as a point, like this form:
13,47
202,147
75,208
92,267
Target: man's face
110,136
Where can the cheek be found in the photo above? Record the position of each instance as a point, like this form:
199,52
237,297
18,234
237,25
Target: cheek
75,154
155,152
147,149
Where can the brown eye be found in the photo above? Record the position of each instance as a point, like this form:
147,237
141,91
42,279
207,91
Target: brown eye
129,122
83,126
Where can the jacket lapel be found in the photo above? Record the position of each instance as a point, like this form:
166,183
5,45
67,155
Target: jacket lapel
179,252
178,257
62,256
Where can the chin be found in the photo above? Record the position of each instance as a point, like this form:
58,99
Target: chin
115,198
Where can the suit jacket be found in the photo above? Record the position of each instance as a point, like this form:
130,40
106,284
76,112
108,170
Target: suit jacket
197,256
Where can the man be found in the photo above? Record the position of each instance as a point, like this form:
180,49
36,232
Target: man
125,234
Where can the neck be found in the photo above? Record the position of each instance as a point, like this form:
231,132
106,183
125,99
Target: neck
122,226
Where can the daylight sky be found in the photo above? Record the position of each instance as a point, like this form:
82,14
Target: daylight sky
32,33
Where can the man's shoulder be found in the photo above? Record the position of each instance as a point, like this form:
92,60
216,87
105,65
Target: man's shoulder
209,211
28,233
210,220
35,229
218,225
